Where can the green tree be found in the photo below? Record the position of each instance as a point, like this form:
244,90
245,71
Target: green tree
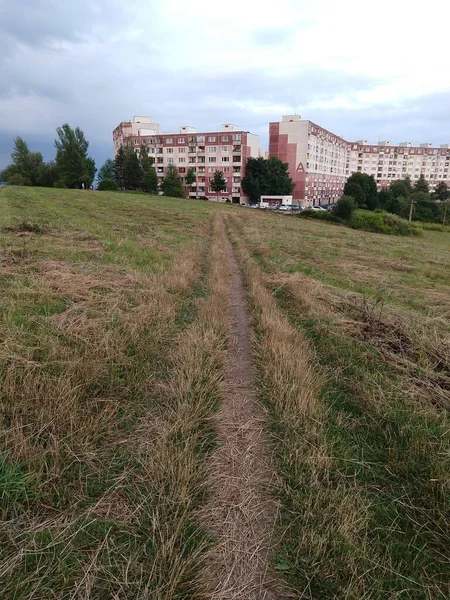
25,162
345,207
172,184
74,165
133,170
266,177
119,168
401,187
251,187
425,208
441,192
107,185
47,174
16,179
190,178
218,182
149,181
363,189
421,185
8,172
107,170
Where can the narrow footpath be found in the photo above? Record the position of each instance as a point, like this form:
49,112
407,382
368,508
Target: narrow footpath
239,513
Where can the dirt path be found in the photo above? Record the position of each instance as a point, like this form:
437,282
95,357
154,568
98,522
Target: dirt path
238,514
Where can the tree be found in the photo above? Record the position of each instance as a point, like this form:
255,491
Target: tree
107,171
266,177
149,179
119,168
441,192
16,179
401,187
421,185
133,170
251,187
47,174
363,188
25,163
425,207
218,182
171,184
107,185
345,207
74,166
190,178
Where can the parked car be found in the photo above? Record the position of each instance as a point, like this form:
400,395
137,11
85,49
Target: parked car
284,207
317,208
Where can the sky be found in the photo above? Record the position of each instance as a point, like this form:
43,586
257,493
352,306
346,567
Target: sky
373,71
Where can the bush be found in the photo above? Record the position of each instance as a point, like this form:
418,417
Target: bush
59,184
16,179
319,214
345,207
382,223
107,185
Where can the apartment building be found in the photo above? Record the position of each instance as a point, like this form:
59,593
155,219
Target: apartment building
320,161
387,162
226,150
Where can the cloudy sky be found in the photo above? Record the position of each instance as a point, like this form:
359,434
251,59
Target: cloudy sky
364,71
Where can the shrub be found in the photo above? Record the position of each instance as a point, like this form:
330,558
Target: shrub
345,207
16,179
319,214
382,223
107,185
59,184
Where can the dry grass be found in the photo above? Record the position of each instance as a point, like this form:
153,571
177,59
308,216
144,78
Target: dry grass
239,511
363,454
109,371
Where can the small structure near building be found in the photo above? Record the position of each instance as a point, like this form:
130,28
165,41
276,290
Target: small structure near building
272,201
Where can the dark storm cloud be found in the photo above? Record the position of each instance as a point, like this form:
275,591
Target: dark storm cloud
94,63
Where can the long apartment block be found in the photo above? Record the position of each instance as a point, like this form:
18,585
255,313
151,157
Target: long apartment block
320,161
226,150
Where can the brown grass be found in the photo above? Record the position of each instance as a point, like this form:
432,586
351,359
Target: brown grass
239,512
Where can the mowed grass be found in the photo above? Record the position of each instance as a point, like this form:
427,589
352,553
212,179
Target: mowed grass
353,347
109,368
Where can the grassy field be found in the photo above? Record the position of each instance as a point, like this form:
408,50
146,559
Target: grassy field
113,329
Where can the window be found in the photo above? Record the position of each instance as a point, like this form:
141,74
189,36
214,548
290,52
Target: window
181,140
169,150
225,148
170,161
136,142
212,138
182,170
181,149
226,169
236,137
225,159
224,138
212,169
201,139
182,159
191,139
211,159
169,140
212,149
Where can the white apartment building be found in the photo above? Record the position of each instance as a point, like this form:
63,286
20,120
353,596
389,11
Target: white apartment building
320,161
226,150
387,162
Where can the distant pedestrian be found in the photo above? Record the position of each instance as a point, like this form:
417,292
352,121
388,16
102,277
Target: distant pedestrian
92,187
82,186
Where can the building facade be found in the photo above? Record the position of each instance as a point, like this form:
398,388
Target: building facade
320,161
226,150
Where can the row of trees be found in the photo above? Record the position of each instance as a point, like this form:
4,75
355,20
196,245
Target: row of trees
71,168
400,198
133,171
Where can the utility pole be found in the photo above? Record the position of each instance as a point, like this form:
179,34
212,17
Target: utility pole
411,209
